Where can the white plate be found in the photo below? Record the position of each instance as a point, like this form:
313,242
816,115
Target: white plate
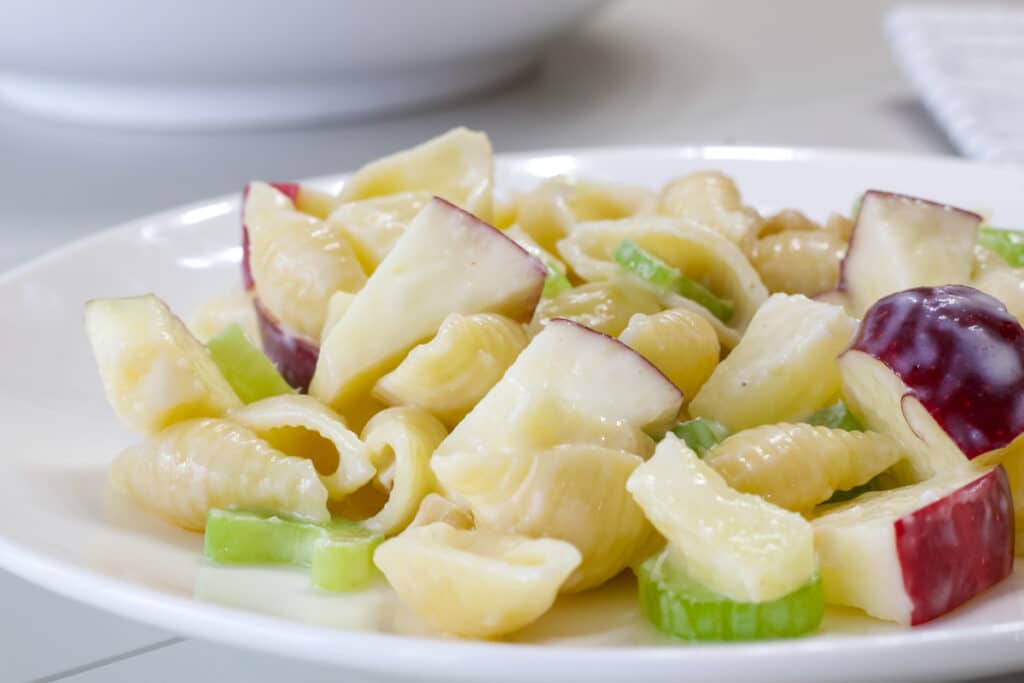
61,528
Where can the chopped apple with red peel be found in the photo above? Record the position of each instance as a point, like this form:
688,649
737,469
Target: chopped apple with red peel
900,242
942,370
915,553
294,356
447,261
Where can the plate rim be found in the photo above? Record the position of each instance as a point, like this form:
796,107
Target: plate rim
418,656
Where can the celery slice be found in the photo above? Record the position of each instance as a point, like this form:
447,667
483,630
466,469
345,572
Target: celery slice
836,416
650,268
682,607
701,435
1007,243
339,553
249,372
556,281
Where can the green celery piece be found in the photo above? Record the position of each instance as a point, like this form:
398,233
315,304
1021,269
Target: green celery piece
339,553
682,607
650,268
855,207
249,372
701,435
556,282
1007,243
836,416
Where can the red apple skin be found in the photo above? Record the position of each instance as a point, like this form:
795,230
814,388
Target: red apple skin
960,353
843,285
294,356
291,190
957,546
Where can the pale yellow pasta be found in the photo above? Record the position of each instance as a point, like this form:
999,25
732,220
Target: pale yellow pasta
448,375
457,166
303,427
372,226
551,210
436,508
400,442
680,343
784,221
216,313
520,237
711,199
605,306
193,467
799,261
1013,463
475,583
797,466
336,307
698,251
840,225
1004,283
297,261
574,492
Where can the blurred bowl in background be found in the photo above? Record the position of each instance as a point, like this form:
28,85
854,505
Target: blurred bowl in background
225,63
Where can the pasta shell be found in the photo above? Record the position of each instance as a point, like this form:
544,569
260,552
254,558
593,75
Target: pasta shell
575,493
400,442
698,251
475,583
605,306
297,261
372,226
457,166
797,466
218,312
448,375
1006,284
193,467
681,344
303,427
436,508
711,199
799,261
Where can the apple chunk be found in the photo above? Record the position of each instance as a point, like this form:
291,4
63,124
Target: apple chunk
447,261
900,242
912,554
941,369
547,452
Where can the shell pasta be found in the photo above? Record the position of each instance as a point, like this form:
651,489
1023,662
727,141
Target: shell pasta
486,402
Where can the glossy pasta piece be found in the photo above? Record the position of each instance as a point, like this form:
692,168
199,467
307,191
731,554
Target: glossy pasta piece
785,221
523,239
196,466
797,466
711,199
436,508
1004,283
605,306
475,583
457,166
372,226
297,261
573,492
550,211
303,427
154,372
218,312
1013,463
448,375
799,261
699,252
682,344
400,442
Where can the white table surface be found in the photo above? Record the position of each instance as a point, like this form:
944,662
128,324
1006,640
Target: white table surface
788,72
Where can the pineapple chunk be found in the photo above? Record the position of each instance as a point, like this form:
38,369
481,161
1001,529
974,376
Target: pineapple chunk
784,367
154,371
736,544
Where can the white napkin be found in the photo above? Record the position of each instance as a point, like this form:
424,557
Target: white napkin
967,63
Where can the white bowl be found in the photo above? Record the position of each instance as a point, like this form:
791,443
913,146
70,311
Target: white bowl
222,63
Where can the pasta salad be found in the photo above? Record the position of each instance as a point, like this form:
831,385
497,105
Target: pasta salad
488,401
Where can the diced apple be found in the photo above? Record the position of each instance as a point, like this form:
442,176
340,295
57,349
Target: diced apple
784,367
447,261
154,371
941,369
900,242
289,190
915,553
294,356
567,414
